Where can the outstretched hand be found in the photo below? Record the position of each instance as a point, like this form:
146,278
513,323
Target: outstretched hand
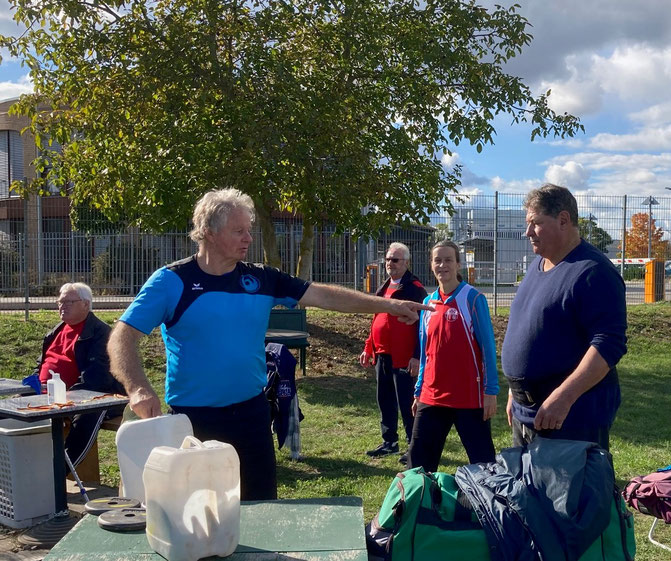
408,311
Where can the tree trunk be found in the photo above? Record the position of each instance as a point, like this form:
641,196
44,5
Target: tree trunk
271,256
304,269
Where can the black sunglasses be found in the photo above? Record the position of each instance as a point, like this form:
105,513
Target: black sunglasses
393,259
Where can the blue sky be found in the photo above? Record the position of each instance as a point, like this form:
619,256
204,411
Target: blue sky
606,61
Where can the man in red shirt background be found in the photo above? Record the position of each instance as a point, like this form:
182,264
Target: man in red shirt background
393,347
77,349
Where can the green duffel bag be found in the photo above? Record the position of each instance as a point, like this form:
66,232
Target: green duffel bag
425,517
617,542
422,518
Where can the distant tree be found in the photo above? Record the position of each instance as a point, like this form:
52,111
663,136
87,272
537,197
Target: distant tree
312,106
598,237
637,238
442,233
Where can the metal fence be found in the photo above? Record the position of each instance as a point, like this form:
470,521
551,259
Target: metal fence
39,251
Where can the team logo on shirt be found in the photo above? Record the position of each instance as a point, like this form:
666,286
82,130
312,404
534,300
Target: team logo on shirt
452,314
250,283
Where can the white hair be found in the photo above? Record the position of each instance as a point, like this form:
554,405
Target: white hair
83,290
213,209
402,247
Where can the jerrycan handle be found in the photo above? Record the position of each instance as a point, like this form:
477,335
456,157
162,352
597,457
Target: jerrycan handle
191,442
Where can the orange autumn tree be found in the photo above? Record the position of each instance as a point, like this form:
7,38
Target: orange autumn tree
637,238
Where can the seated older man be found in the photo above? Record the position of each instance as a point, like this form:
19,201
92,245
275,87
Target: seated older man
77,349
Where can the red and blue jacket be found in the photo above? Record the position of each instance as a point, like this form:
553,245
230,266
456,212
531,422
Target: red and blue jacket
458,352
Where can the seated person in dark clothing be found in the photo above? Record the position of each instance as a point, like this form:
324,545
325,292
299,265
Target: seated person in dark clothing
77,349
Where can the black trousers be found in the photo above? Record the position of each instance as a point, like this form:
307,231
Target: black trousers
522,434
433,424
246,426
395,388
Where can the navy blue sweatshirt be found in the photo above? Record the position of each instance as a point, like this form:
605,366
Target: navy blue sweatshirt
555,317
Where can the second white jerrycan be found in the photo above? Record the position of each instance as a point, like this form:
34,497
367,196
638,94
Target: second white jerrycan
192,498
135,441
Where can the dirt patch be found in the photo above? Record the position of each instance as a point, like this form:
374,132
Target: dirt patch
336,340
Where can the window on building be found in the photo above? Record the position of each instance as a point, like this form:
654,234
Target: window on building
11,161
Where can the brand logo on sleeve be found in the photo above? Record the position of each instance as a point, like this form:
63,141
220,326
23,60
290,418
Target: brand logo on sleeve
250,283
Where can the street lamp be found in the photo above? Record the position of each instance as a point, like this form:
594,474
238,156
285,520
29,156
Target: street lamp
649,202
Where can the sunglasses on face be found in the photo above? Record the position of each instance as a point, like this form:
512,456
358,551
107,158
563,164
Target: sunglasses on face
393,259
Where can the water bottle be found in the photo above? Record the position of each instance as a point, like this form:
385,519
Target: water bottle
56,389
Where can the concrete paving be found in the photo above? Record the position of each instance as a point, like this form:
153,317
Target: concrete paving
12,549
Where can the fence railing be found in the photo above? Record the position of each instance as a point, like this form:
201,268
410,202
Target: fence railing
39,251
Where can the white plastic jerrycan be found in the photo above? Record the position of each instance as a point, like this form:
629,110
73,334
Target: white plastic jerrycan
193,500
135,441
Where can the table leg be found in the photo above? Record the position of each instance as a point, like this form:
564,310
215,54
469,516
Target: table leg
60,490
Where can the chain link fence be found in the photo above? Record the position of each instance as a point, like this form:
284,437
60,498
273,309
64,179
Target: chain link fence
39,250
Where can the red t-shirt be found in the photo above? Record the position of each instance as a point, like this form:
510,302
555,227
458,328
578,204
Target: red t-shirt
392,337
60,356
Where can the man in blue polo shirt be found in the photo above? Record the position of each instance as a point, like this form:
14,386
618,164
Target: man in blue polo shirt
566,330
213,309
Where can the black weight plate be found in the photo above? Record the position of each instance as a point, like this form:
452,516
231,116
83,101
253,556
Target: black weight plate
123,520
98,506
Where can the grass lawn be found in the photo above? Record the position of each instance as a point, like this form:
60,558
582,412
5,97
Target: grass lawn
342,421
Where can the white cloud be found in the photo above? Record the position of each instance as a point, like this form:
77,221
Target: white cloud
573,143
623,174
659,114
636,72
578,93
603,161
578,97
7,24
470,192
516,186
9,90
656,138
576,27
450,160
571,174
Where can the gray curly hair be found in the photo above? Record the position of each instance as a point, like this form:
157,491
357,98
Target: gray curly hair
213,209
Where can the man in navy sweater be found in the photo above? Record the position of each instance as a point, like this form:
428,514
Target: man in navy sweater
566,330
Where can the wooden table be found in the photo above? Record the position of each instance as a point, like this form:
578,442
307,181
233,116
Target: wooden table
83,401
328,529
10,386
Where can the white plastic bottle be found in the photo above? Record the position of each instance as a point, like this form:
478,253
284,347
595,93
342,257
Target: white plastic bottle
135,441
193,500
56,389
